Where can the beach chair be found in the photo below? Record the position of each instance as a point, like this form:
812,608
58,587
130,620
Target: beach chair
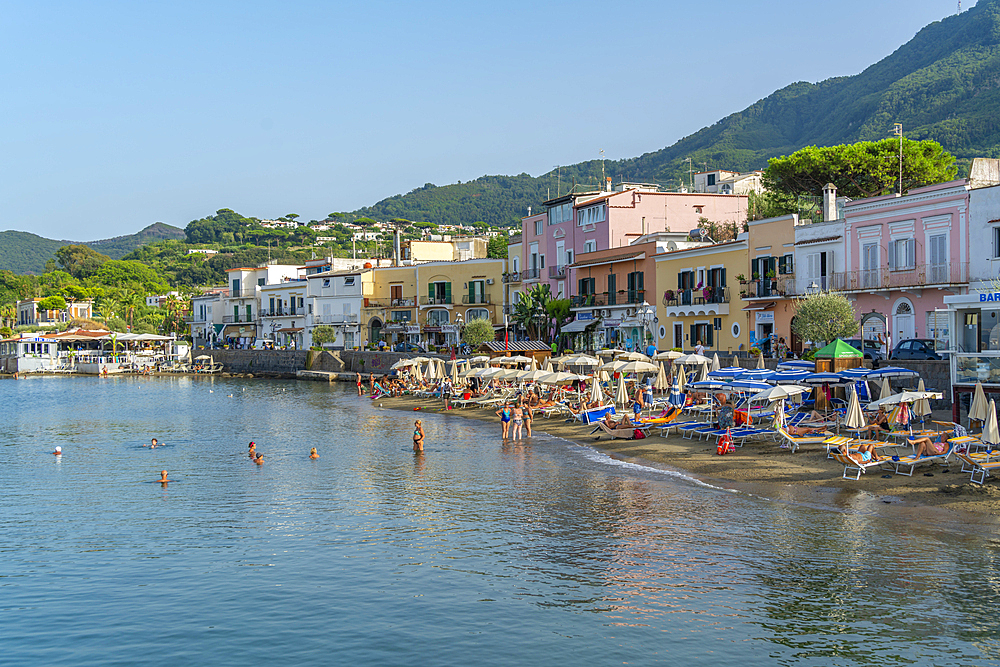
912,461
977,466
595,415
618,433
857,468
666,417
794,441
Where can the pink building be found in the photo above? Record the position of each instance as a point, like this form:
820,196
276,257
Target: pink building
584,223
902,256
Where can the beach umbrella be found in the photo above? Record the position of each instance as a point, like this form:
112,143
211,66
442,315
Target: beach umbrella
621,395
662,384
708,385
613,366
991,434
606,353
691,360
715,362
788,376
561,377
921,408
508,374
417,374
855,374
903,397
490,372
581,360
632,356
728,373
669,355
420,360
979,407
596,394
638,367
823,378
892,372
603,376
741,385
681,379
760,361
532,375
780,392
886,389
454,372
479,360
703,372
432,371
534,364
548,365
402,363
855,418
797,365
760,375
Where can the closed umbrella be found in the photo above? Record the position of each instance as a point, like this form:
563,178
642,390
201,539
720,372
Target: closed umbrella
979,407
596,394
621,395
760,361
534,364
922,407
855,418
703,372
431,371
442,371
886,389
417,373
991,434
454,372
603,376
715,362
548,365
680,382
662,384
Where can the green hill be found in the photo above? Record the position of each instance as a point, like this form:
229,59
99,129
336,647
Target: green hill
24,252
944,84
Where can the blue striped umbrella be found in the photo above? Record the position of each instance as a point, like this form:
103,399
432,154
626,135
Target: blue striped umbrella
676,397
855,374
740,384
797,365
758,374
789,376
728,373
709,385
892,372
823,378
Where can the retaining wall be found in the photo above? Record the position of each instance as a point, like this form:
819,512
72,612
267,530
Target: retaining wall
265,363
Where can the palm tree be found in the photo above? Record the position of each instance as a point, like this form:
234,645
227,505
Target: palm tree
8,314
531,311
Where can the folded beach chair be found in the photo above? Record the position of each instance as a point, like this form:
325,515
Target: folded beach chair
977,466
912,461
850,465
626,433
794,441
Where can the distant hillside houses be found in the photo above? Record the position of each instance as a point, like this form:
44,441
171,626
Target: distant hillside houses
281,224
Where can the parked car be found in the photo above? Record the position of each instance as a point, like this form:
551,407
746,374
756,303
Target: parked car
915,348
407,347
872,349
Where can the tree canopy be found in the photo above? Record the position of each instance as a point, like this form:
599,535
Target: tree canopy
864,169
477,332
80,261
496,248
823,317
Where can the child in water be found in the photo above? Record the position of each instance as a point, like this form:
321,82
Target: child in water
313,454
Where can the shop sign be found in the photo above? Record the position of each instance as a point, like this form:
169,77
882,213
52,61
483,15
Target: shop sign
613,323
449,328
584,316
765,317
411,329
430,330
989,296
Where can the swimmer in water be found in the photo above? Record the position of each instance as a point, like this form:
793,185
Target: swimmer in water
153,444
58,451
163,477
259,459
252,449
313,454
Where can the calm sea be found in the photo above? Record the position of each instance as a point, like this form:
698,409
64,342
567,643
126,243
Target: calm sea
544,553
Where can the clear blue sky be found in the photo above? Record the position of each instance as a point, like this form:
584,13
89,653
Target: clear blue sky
117,115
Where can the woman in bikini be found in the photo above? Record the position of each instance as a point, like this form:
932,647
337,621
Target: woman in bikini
518,422
505,415
418,437
526,408
930,446
865,453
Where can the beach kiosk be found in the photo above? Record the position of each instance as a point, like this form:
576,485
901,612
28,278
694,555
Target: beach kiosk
972,340
837,356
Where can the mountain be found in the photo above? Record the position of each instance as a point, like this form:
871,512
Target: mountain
24,252
944,84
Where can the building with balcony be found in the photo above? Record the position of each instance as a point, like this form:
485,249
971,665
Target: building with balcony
391,308
443,249
697,298
511,278
337,301
286,310
28,313
205,321
770,286
243,300
457,292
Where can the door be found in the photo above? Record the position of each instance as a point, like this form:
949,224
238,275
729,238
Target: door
679,335
869,256
902,320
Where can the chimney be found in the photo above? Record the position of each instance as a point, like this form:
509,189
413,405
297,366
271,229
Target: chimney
607,184
829,202
395,248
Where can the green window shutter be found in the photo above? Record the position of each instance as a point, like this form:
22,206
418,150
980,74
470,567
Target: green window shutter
680,281
447,292
694,335
642,279
249,313
236,313
709,336
579,286
430,292
781,265
722,278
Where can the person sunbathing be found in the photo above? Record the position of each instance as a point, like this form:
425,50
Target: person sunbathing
865,453
612,424
804,430
930,446
880,423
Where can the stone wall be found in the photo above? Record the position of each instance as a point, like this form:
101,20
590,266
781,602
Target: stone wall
265,363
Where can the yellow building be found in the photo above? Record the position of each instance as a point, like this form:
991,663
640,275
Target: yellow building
427,304
700,298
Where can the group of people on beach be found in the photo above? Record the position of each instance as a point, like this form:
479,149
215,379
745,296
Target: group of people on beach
517,416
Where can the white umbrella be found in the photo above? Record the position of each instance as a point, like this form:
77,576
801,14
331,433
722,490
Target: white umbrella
614,366
512,360
596,395
715,362
532,375
454,372
886,389
922,407
479,360
534,364
661,380
402,363
979,407
431,371
669,355
490,372
703,372
632,356
548,365
779,392
903,397
580,360
680,382
855,418
508,374
606,353
417,374
691,359
760,361
991,434
604,377
621,395
420,360
561,378
637,367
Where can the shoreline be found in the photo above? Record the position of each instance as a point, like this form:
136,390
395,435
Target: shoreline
762,468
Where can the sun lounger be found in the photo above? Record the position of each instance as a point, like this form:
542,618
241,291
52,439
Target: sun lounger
851,465
595,415
795,441
912,461
626,433
977,466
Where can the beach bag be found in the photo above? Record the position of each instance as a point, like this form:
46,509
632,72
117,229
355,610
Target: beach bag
725,445
638,434
726,416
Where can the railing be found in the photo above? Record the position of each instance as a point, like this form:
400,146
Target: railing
435,300
884,278
228,319
772,287
588,300
402,303
557,272
242,294
692,297
375,303
512,277
476,298
531,274
335,318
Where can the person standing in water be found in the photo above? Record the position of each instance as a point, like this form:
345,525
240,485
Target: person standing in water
252,449
505,415
360,391
163,478
418,436
313,454
153,444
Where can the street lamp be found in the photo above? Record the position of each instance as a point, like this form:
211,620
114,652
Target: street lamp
645,314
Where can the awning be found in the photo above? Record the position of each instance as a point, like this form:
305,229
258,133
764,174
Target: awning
576,326
290,330
759,306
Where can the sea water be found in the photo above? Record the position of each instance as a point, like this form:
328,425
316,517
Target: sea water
477,552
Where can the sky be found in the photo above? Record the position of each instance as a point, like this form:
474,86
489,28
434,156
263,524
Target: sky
115,115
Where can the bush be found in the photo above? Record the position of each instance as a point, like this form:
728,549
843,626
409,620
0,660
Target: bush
115,324
6,332
477,332
324,334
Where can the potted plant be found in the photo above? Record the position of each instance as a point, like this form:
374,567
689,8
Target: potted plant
742,278
756,275
743,294
773,278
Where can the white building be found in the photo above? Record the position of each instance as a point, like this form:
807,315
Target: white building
243,300
337,301
285,312
29,314
206,316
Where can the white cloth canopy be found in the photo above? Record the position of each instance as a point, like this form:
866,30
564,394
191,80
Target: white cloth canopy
782,391
621,395
637,367
715,362
669,355
632,356
903,397
661,379
921,408
691,360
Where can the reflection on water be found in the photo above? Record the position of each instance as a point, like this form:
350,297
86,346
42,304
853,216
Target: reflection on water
536,552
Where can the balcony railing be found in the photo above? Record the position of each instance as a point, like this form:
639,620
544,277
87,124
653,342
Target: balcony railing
336,318
242,293
476,298
772,287
883,278
696,297
588,300
557,272
403,302
531,274
512,277
435,300
625,297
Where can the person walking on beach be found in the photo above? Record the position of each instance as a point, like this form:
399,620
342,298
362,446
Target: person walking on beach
505,416
418,437
359,385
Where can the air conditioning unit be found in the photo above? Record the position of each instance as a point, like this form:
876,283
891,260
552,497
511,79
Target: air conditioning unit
489,281
605,313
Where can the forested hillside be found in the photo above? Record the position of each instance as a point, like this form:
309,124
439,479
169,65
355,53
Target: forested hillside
944,84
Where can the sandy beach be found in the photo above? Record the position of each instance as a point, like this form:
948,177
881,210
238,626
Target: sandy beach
760,467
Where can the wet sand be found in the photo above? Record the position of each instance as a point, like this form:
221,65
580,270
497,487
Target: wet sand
762,468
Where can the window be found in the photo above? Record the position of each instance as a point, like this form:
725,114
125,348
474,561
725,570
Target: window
349,281
300,302
261,282
636,288
236,287
786,264
586,286
538,227
395,293
326,282
937,249
436,318
514,263
612,288
439,292
249,313
902,254
560,213
477,291
569,257
711,180
401,315
590,245
477,314
590,215
996,241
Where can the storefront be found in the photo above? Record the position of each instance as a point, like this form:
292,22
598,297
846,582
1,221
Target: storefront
974,321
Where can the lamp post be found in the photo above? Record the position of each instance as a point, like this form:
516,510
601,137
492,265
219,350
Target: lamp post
897,129
645,314
458,329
